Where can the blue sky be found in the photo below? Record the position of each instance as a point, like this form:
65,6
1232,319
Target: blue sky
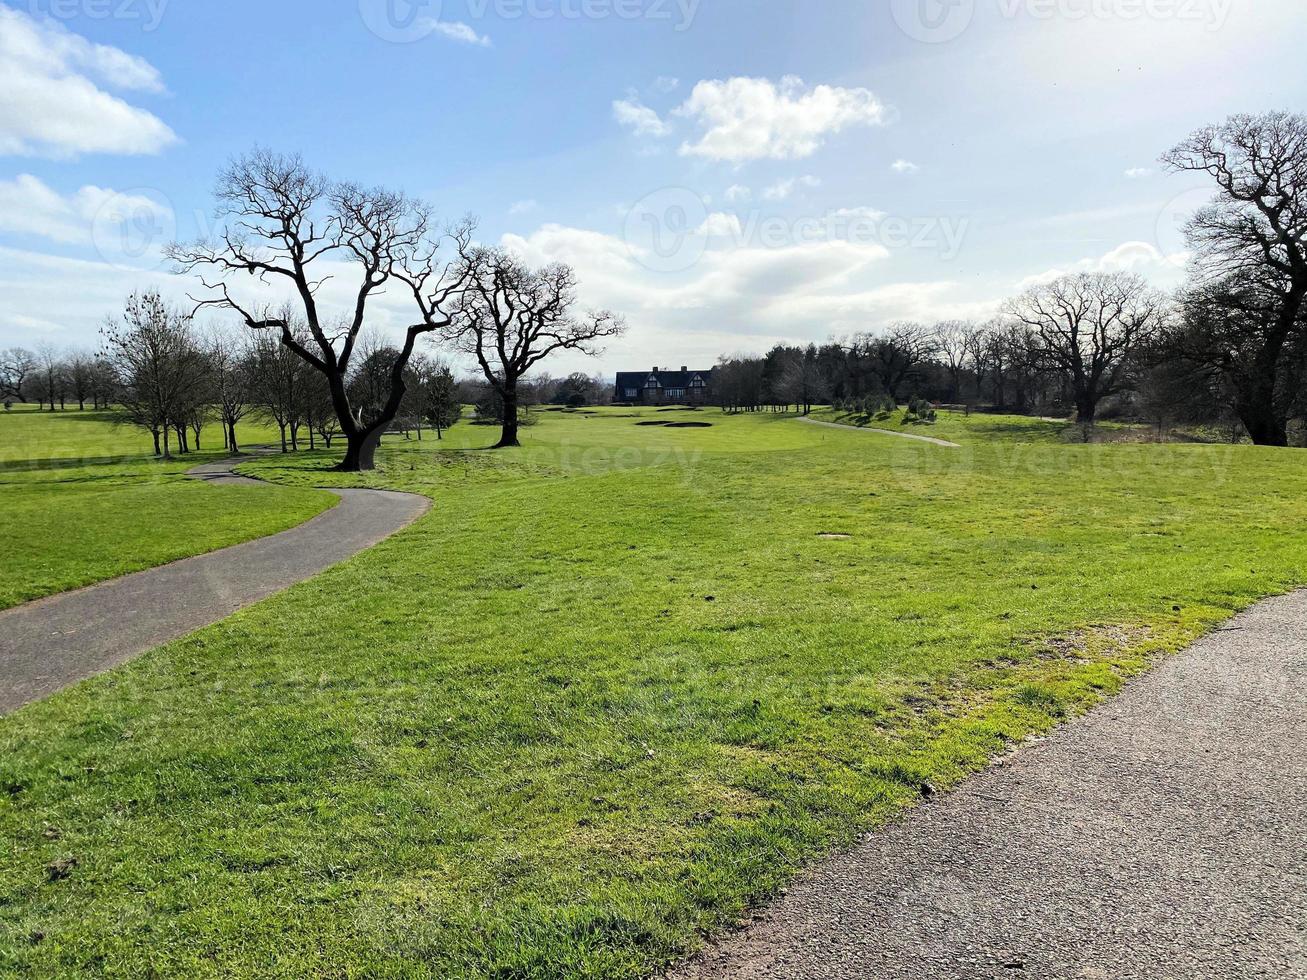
726,174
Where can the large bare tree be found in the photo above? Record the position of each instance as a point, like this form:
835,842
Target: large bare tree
1251,245
510,317
1088,327
286,225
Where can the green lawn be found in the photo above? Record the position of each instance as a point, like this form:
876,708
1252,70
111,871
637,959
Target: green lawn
82,500
616,687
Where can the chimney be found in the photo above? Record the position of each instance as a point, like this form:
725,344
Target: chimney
655,369
684,369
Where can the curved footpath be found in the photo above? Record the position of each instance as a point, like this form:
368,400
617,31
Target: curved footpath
53,642
883,432
1159,836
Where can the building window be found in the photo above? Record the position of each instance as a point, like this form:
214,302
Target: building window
632,392
698,382
675,393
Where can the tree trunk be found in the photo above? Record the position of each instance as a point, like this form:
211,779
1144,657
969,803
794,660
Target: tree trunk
231,438
1264,426
157,450
1086,408
282,427
508,435
361,452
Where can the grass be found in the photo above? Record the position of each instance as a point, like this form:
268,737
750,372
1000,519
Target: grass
83,501
613,690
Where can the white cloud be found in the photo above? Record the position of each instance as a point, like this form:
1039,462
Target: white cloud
640,119
522,207
738,192
734,295
456,30
753,118
783,189
721,225
666,83
51,102
904,167
1135,173
1161,269
30,207
859,214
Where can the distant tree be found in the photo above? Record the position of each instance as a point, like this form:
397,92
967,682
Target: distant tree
287,225
574,391
738,383
896,357
157,365
1088,327
278,382
51,376
81,369
802,380
370,382
511,317
1251,249
954,343
231,382
438,396
17,367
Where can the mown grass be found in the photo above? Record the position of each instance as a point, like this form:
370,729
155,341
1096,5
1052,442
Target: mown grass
614,689
82,500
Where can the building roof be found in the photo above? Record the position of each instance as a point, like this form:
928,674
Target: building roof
666,378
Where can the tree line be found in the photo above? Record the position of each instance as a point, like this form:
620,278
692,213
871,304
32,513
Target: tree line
1229,347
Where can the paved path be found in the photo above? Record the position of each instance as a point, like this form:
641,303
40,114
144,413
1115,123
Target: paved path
50,643
1162,835
883,432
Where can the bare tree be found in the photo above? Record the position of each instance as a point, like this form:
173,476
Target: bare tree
436,395
51,375
1088,327
157,365
232,382
896,357
285,224
511,317
81,377
17,367
278,381
1251,245
802,380
953,345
